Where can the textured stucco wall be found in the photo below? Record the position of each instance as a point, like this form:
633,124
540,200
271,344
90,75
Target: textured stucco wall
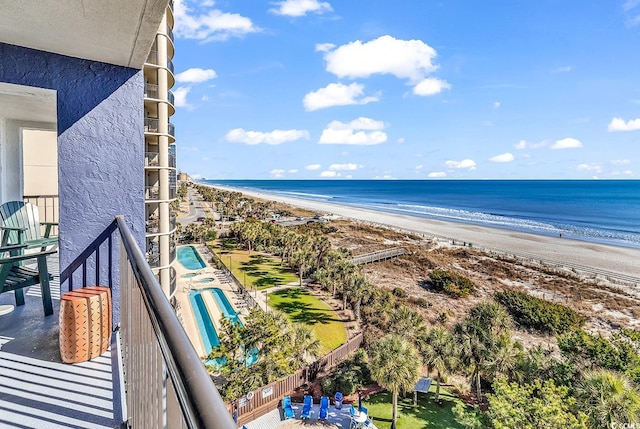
100,141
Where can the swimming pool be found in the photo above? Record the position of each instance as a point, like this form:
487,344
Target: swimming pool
206,327
190,258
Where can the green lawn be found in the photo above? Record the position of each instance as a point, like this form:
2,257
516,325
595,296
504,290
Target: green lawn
302,307
258,269
426,414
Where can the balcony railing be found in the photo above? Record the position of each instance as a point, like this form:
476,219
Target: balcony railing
172,160
173,284
151,90
171,4
151,159
172,130
170,33
151,125
152,192
48,206
172,222
170,66
165,383
171,97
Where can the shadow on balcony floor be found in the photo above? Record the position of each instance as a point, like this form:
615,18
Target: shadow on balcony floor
37,390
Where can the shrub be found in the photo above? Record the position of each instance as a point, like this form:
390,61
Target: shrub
399,292
349,375
450,283
539,314
420,302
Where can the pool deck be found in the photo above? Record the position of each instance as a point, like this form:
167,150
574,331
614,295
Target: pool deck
185,285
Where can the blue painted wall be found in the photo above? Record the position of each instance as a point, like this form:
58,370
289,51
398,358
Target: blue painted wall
100,141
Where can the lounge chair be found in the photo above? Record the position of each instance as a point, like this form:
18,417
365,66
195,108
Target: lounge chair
21,225
15,277
324,408
306,407
286,408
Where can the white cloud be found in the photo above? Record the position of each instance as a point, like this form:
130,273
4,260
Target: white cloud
313,167
405,59
621,162
568,143
300,7
274,137
437,174
465,163
196,75
208,24
595,167
343,167
276,173
293,171
180,96
401,140
324,47
430,86
329,174
523,144
419,167
496,104
505,157
618,124
336,94
562,69
361,131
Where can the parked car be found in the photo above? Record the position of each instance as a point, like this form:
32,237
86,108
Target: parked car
200,218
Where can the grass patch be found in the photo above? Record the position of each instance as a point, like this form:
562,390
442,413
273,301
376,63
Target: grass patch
257,270
426,414
301,306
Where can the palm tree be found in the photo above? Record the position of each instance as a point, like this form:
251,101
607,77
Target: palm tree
357,288
302,255
304,344
321,245
479,336
395,365
439,353
607,397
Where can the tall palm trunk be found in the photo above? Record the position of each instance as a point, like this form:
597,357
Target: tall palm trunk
478,387
300,271
395,410
438,386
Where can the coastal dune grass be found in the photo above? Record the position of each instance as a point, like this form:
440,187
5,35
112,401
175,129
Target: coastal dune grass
300,306
256,269
427,414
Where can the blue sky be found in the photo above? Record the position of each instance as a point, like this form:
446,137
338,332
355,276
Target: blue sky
364,89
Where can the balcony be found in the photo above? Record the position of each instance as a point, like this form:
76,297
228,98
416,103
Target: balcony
152,58
150,378
170,33
171,4
151,91
172,160
171,98
153,225
152,192
151,159
172,130
151,125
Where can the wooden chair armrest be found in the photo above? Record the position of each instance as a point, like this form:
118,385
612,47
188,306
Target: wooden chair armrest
12,247
13,228
18,258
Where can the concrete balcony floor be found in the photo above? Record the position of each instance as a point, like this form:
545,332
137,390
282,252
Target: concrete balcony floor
37,390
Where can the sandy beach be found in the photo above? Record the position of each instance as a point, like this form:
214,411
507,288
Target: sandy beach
591,256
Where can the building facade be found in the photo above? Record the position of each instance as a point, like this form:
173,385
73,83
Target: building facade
160,155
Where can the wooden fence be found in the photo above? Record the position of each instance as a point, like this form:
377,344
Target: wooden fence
267,398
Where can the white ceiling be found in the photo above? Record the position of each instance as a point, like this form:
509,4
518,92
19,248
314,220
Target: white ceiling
118,32
27,103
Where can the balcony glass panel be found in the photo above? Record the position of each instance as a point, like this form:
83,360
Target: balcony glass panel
170,33
153,57
152,192
151,125
171,98
172,160
172,130
170,66
152,159
151,90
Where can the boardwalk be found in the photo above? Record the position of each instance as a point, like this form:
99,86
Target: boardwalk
380,255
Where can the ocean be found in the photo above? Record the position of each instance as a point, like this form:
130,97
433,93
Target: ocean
602,211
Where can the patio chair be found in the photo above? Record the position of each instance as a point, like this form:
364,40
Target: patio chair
324,408
352,411
286,408
364,410
21,225
306,407
15,277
